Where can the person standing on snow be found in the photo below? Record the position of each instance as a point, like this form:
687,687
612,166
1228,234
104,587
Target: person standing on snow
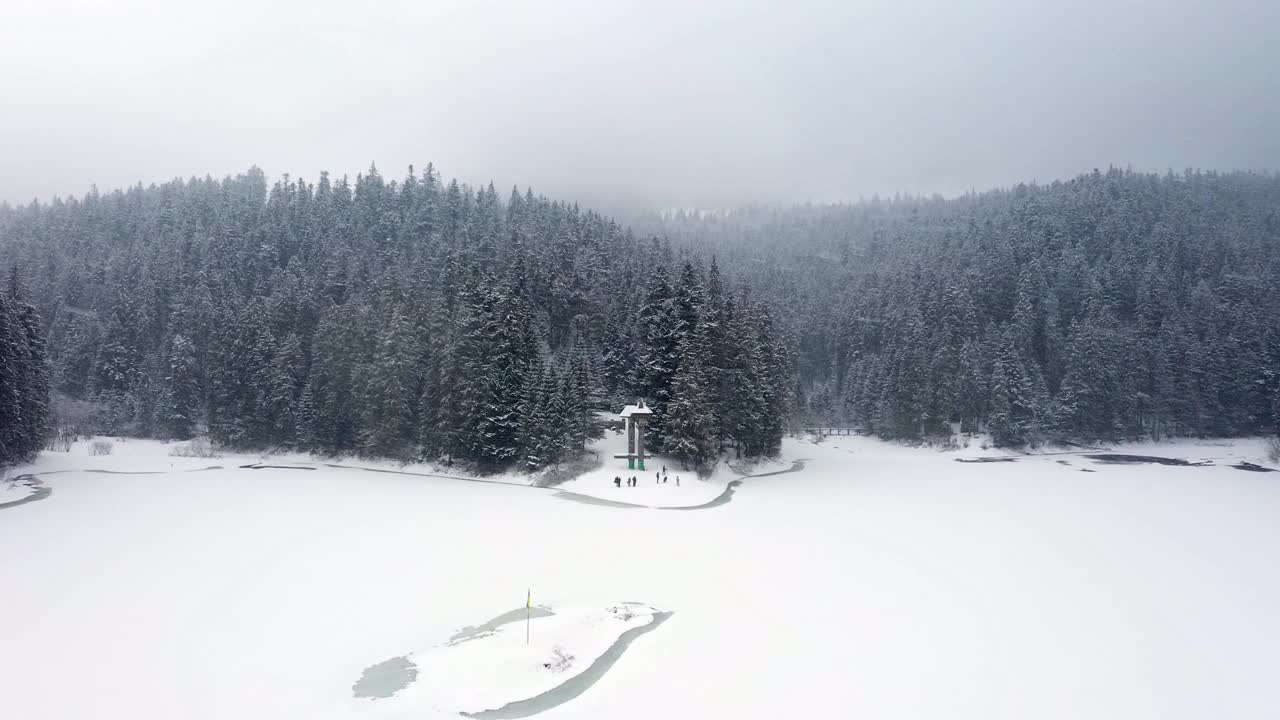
617,481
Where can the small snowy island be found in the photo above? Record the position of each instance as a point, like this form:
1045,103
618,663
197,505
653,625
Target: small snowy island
522,662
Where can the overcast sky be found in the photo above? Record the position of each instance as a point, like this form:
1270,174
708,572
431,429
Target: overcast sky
647,103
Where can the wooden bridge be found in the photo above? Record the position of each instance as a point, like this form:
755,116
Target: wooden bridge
828,431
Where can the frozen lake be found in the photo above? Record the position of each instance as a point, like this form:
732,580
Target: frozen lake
875,581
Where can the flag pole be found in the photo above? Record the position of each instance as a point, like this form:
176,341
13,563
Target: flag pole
528,613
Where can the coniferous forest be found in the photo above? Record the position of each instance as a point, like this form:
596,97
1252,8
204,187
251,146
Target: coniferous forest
1115,305
24,378
411,318
419,319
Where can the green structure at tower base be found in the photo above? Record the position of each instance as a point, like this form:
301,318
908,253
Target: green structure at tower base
633,419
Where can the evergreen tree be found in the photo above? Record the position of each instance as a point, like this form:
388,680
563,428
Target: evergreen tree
689,426
496,352
284,387
390,389
657,353
177,410
24,378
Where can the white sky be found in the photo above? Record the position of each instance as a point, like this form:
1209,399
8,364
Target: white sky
653,103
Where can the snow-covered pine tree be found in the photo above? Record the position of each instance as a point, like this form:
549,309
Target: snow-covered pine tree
689,427
714,318
177,410
1015,405
24,379
534,415
326,416
496,351
288,376
33,402
11,380
578,398
390,389
657,351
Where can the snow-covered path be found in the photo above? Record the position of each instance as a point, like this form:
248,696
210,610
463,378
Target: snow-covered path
876,581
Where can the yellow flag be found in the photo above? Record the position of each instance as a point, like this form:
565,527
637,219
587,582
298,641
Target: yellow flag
528,600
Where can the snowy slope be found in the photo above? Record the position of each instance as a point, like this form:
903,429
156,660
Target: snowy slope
872,581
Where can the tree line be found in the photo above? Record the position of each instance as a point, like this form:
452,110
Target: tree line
1111,306
414,319
418,318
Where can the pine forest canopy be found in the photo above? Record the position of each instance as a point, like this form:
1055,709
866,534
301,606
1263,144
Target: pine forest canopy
409,319
415,318
1114,305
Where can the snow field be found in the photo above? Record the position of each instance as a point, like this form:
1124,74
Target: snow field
879,581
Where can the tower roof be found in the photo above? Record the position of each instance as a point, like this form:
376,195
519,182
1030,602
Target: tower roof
635,410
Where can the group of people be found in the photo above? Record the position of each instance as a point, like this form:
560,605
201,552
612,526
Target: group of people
659,478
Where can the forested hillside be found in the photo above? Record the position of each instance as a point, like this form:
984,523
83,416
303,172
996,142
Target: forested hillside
1110,306
410,318
417,318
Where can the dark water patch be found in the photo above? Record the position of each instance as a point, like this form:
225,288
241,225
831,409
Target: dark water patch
1062,462
1117,458
40,491
724,497
1086,470
796,466
987,459
385,679
574,686
432,475
260,466
721,499
1251,467
1082,446
471,632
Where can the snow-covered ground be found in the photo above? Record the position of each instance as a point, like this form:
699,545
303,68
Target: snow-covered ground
873,581
681,488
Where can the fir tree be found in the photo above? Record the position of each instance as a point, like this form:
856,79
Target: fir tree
689,426
178,406
390,389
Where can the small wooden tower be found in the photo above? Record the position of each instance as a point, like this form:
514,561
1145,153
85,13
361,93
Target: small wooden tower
634,417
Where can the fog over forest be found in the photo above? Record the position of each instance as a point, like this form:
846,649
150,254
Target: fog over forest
624,106
581,359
